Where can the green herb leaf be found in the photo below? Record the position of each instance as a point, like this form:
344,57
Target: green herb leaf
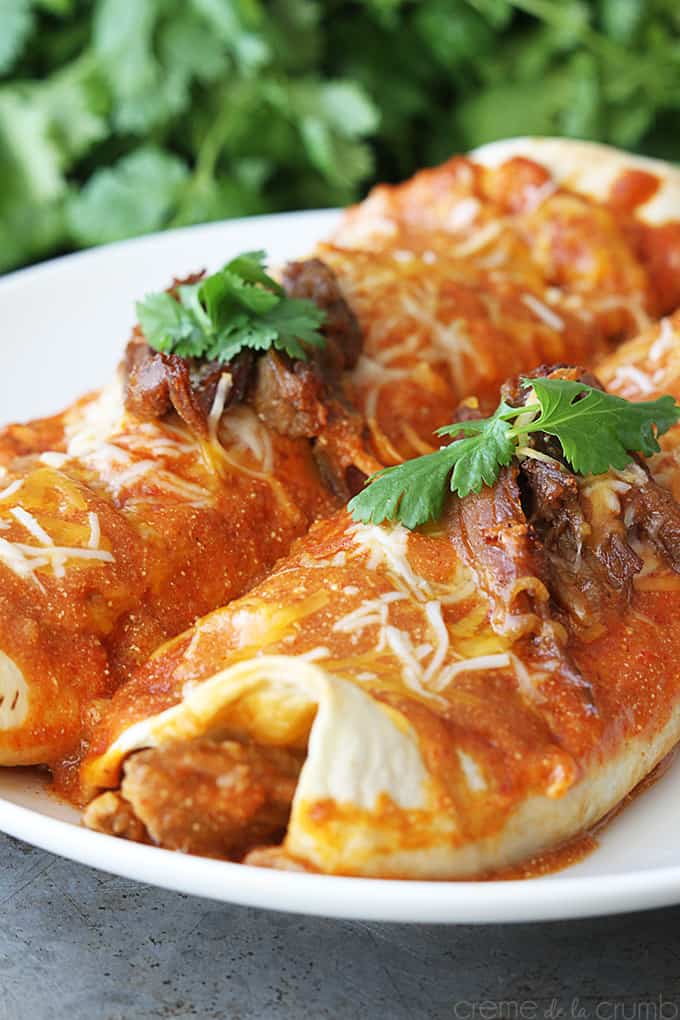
414,492
134,196
479,458
16,23
596,430
239,307
296,323
296,104
167,327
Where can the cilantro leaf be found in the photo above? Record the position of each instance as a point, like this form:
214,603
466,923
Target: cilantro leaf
296,323
479,458
16,19
134,196
414,492
596,430
299,103
237,308
167,327
250,266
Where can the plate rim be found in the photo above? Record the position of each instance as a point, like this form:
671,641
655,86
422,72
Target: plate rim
413,901
140,241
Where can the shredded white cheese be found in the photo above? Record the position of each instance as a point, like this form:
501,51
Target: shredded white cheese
472,772
31,525
480,238
315,654
23,560
433,612
542,311
665,341
463,213
53,459
371,612
95,530
479,662
220,399
11,488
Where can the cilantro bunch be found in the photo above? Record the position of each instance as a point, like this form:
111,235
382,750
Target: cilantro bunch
236,308
597,431
119,117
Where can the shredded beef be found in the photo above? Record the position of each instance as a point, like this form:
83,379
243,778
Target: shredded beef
158,383
490,532
293,397
492,536
657,517
290,396
314,281
111,813
215,798
553,504
539,512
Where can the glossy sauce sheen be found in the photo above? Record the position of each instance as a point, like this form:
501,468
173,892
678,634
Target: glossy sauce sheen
175,554
459,277
523,741
466,274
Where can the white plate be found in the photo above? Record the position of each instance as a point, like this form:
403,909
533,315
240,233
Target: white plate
62,329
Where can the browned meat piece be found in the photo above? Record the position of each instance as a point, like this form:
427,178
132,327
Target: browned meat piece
551,497
156,383
341,453
551,501
289,396
491,534
314,281
490,531
657,517
215,798
619,561
147,390
580,554
581,549
295,397
111,814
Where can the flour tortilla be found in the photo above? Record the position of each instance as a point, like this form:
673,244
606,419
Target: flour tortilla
590,169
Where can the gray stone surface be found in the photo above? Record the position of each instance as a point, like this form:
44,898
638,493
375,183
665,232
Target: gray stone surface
80,945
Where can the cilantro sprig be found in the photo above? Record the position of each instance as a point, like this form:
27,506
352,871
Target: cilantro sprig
239,307
596,431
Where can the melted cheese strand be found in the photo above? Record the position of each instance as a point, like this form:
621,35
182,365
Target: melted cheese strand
32,526
542,312
15,561
11,488
95,530
219,400
411,670
253,435
433,611
388,547
479,662
371,612
23,560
